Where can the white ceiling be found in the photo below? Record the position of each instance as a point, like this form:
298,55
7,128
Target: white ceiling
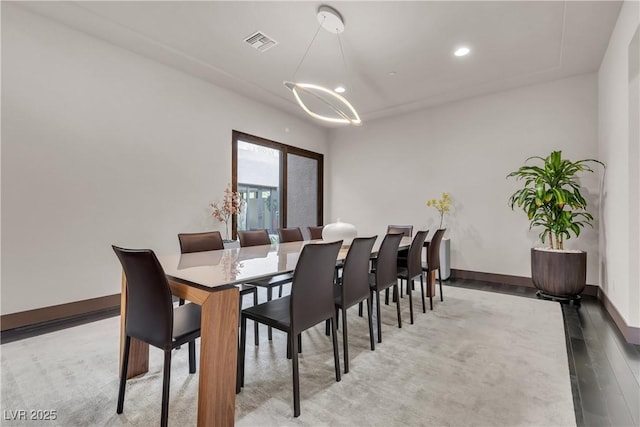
513,44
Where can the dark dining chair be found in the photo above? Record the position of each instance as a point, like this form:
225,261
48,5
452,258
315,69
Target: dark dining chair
293,234
413,269
311,301
353,288
200,242
212,241
151,317
405,230
386,275
286,235
433,263
315,233
257,238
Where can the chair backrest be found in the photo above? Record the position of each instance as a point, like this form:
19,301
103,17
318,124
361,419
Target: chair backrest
405,230
433,253
200,242
355,274
387,261
315,233
253,238
312,299
149,311
293,234
414,262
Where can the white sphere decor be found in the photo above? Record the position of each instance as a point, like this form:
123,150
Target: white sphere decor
339,231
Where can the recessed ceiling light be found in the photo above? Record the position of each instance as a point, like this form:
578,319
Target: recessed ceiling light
462,51
340,89
392,73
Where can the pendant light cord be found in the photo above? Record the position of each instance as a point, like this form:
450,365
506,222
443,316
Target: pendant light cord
295,73
344,64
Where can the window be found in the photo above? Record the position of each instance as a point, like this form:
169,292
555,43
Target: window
281,184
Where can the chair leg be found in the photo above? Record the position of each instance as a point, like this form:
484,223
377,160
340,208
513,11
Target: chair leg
369,314
327,327
280,292
269,296
440,281
166,381
181,302
345,340
395,292
386,296
300,343
360,309
336,356
424,309
241,352
378,317
293,343
409,286
256,336
123,374
192,357
430,287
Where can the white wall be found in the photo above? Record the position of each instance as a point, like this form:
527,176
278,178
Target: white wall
101,146
620,234
383,172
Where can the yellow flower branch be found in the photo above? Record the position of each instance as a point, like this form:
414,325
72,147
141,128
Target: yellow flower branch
443,205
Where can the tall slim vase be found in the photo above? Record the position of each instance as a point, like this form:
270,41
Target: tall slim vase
445,256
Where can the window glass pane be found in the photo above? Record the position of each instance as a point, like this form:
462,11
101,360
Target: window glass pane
302,191
259,183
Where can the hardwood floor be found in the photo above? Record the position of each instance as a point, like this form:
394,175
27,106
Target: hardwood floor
604,369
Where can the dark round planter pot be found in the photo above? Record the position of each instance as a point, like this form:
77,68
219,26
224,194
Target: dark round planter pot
559,274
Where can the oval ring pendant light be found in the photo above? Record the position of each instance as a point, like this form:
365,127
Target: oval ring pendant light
331,20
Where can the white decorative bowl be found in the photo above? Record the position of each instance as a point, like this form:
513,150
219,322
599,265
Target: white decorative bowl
339,231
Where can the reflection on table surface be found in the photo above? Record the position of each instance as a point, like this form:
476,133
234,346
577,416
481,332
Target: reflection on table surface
240,265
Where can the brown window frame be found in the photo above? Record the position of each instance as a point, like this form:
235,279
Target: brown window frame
284,150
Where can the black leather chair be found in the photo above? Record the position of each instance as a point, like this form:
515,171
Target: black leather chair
311,302
212,241
354,288
150,317
413,269
386,275
315,233
257,238
433,263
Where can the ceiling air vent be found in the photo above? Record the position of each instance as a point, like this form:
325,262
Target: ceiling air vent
261,41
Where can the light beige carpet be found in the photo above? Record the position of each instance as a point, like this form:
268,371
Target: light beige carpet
478,359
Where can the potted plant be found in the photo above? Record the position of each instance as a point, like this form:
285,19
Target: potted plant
552,200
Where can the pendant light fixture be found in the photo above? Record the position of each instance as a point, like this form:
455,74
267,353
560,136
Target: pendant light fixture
331,20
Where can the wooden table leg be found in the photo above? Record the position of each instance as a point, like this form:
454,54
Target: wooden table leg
139,351
432,289
218,358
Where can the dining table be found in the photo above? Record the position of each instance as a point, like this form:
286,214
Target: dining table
208,279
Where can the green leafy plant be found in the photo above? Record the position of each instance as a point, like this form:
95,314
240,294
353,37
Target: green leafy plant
551,197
